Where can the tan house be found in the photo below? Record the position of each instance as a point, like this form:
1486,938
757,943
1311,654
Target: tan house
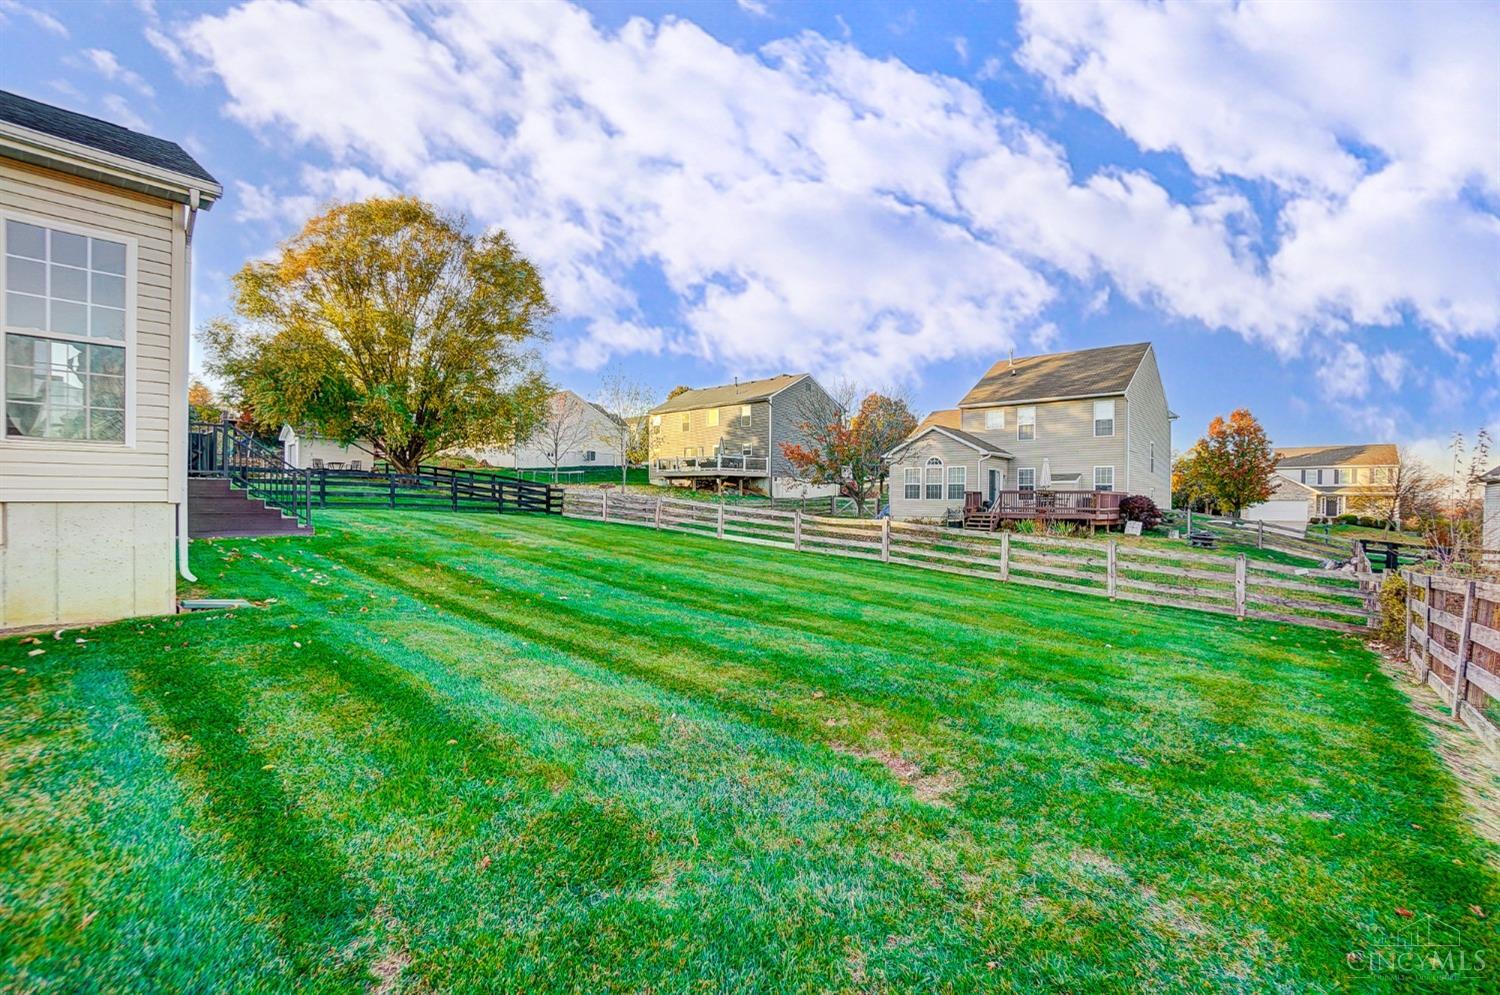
1331,480
96,225
576,434
732,435
1095,420
1491,530
304,449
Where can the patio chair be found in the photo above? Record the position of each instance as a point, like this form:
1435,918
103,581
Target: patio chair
355,464
315,463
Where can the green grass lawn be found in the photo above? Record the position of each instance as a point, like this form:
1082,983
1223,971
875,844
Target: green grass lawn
459,753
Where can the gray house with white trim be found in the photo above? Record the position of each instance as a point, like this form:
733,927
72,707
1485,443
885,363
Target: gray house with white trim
1094,419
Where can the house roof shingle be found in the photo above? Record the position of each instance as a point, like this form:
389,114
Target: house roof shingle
945,417
101,135
1370,454
743,392
1084,373
967,438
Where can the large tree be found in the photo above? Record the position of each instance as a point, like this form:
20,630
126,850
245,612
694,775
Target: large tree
388,320
847,446
1409,489
1236,460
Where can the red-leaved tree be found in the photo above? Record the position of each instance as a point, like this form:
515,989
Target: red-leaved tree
847,449
1236,460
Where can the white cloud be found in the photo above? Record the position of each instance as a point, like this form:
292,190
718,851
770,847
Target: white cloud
42,19
122,112
108,66
809,206
756,7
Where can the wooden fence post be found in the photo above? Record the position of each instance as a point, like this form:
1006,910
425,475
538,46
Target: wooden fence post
1426,626
604,505
797,530
658,511
1406,623
1461,672
885,540
1110,553
453,490
721,520
1260,534
391,479
1005,556
1239,585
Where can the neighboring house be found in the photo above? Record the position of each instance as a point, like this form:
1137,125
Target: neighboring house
304,448
1491,531
580,433
1290,504
733,435
1096,419
96,225
1332,479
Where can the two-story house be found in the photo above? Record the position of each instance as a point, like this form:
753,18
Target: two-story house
733,435
1335,480
576,434
1092,420
96,227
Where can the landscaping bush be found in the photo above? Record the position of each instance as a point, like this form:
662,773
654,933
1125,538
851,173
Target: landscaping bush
1393,609
1139,508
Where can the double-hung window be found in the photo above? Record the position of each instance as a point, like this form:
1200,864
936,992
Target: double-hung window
1104,419
958,479
1342,475
687,421
994,419
913,486
1026,423
1026,478
64,316
934,483
713,417
744,416
1104,478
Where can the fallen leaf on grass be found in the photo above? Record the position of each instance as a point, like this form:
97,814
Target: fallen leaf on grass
36,653
1404,912
484,863
1477,911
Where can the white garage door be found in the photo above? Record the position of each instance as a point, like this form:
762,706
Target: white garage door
1283,512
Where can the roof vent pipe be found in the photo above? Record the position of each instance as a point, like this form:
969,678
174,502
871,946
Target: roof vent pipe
1012,362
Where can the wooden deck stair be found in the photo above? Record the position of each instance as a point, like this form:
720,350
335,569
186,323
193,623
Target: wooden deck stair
216,510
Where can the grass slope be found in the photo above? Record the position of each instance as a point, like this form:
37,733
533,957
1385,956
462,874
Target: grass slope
499,753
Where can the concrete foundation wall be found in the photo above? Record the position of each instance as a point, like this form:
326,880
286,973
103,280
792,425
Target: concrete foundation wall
73,562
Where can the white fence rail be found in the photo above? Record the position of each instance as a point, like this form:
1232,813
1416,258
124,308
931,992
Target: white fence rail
1234,586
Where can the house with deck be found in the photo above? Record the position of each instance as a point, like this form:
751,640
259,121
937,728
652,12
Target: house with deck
1334,480
96,232
1061,436
732,435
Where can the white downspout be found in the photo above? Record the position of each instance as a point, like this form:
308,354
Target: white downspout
189,221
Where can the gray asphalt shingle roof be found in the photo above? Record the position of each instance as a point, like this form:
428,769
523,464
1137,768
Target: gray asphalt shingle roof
1084,373
101,135
743,392
1371,454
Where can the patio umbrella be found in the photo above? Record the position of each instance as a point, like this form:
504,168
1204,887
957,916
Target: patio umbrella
1046,479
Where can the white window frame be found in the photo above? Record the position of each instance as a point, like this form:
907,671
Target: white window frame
912,481
687,421
713,417
656,421
958,476
1021,474
1108,404
1026,418
590,455
1343,475
132,271
1111,485
994,419
745,416
932,479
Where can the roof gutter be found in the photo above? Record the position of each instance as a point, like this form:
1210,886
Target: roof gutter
41,149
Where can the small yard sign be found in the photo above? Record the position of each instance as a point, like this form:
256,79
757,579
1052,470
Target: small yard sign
1132,528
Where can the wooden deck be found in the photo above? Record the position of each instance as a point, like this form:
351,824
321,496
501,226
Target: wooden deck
1092,507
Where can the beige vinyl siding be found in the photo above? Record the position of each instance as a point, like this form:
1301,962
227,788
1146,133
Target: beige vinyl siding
952,453
1147,423
1064,437
669,440
1491,540
44,470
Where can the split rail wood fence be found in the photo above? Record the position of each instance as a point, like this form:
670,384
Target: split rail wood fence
1453,645
1231,586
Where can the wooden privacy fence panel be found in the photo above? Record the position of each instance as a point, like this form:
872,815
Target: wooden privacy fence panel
1330,599
1453,645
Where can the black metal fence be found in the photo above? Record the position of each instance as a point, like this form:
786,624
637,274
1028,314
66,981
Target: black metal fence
433,488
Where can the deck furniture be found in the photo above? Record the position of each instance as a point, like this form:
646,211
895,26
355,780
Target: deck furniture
1091,507
1203,540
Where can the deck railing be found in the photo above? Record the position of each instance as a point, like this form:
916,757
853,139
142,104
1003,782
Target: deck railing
711,464
1058,504
222,449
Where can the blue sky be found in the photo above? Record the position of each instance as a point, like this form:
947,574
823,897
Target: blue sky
1298,203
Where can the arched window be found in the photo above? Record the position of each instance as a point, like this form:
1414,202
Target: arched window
934,479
